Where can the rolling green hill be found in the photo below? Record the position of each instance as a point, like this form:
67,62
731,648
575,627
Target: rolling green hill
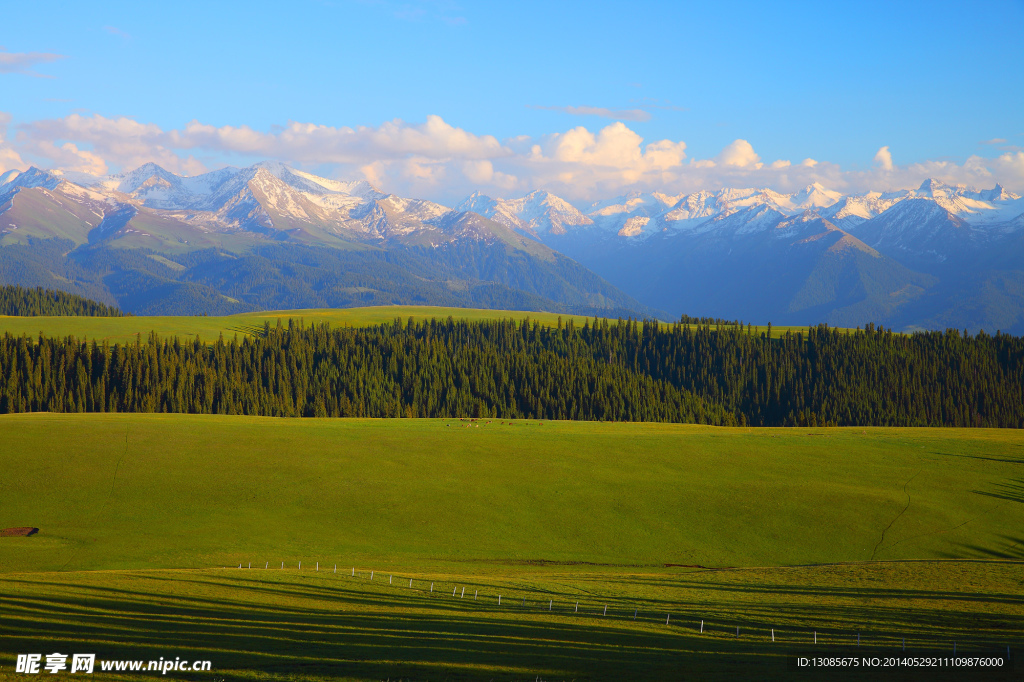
869,542
180,491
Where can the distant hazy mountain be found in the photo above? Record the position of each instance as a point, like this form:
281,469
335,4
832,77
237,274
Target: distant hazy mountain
937,256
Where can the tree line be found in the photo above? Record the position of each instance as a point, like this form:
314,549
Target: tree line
722,374
16,300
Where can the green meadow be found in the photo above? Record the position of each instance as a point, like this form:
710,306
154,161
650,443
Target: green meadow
750,543
199,491
126,329
144,520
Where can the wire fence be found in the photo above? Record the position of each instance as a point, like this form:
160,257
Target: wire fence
686,620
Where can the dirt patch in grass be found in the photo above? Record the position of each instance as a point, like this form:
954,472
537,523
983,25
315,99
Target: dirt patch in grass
18,532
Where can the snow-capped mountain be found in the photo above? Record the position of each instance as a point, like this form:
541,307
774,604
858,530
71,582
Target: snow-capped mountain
889,257
271,236
639,215
895,257
152,206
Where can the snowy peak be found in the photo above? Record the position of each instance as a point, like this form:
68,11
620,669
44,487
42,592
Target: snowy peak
480,204
33,177
815,196
150,173
932,188
919,228
539,212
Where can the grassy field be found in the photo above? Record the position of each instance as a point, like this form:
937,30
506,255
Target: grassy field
187,491
314,625
125,329
891,533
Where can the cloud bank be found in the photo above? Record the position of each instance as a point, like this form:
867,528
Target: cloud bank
436,160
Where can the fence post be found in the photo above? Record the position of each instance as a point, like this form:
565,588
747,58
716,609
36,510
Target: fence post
702,626
605,610
773,634
667,616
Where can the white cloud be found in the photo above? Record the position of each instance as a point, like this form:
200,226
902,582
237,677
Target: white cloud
884,159
22,62
439,161
113,30
740,154
618,114
9,159
1010,169
95,142
308,142
582,163
70,158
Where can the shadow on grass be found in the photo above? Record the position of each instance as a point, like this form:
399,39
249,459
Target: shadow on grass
1012,491
1012,548
292,626
988,458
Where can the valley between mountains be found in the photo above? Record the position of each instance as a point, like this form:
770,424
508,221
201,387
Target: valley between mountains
272,237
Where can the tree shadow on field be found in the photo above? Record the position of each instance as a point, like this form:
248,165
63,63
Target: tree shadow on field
989,458
296,626
327,632
1012,491
1012,548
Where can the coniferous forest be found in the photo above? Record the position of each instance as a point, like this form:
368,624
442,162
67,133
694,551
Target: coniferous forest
626,371
16,300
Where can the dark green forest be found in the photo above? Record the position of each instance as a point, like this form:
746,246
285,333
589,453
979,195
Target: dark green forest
624,371
16,300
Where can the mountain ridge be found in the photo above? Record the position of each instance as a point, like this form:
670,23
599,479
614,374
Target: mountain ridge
902,252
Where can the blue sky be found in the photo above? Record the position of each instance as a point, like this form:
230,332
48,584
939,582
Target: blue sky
941,85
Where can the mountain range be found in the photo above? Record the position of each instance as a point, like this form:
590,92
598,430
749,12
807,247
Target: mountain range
271,236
